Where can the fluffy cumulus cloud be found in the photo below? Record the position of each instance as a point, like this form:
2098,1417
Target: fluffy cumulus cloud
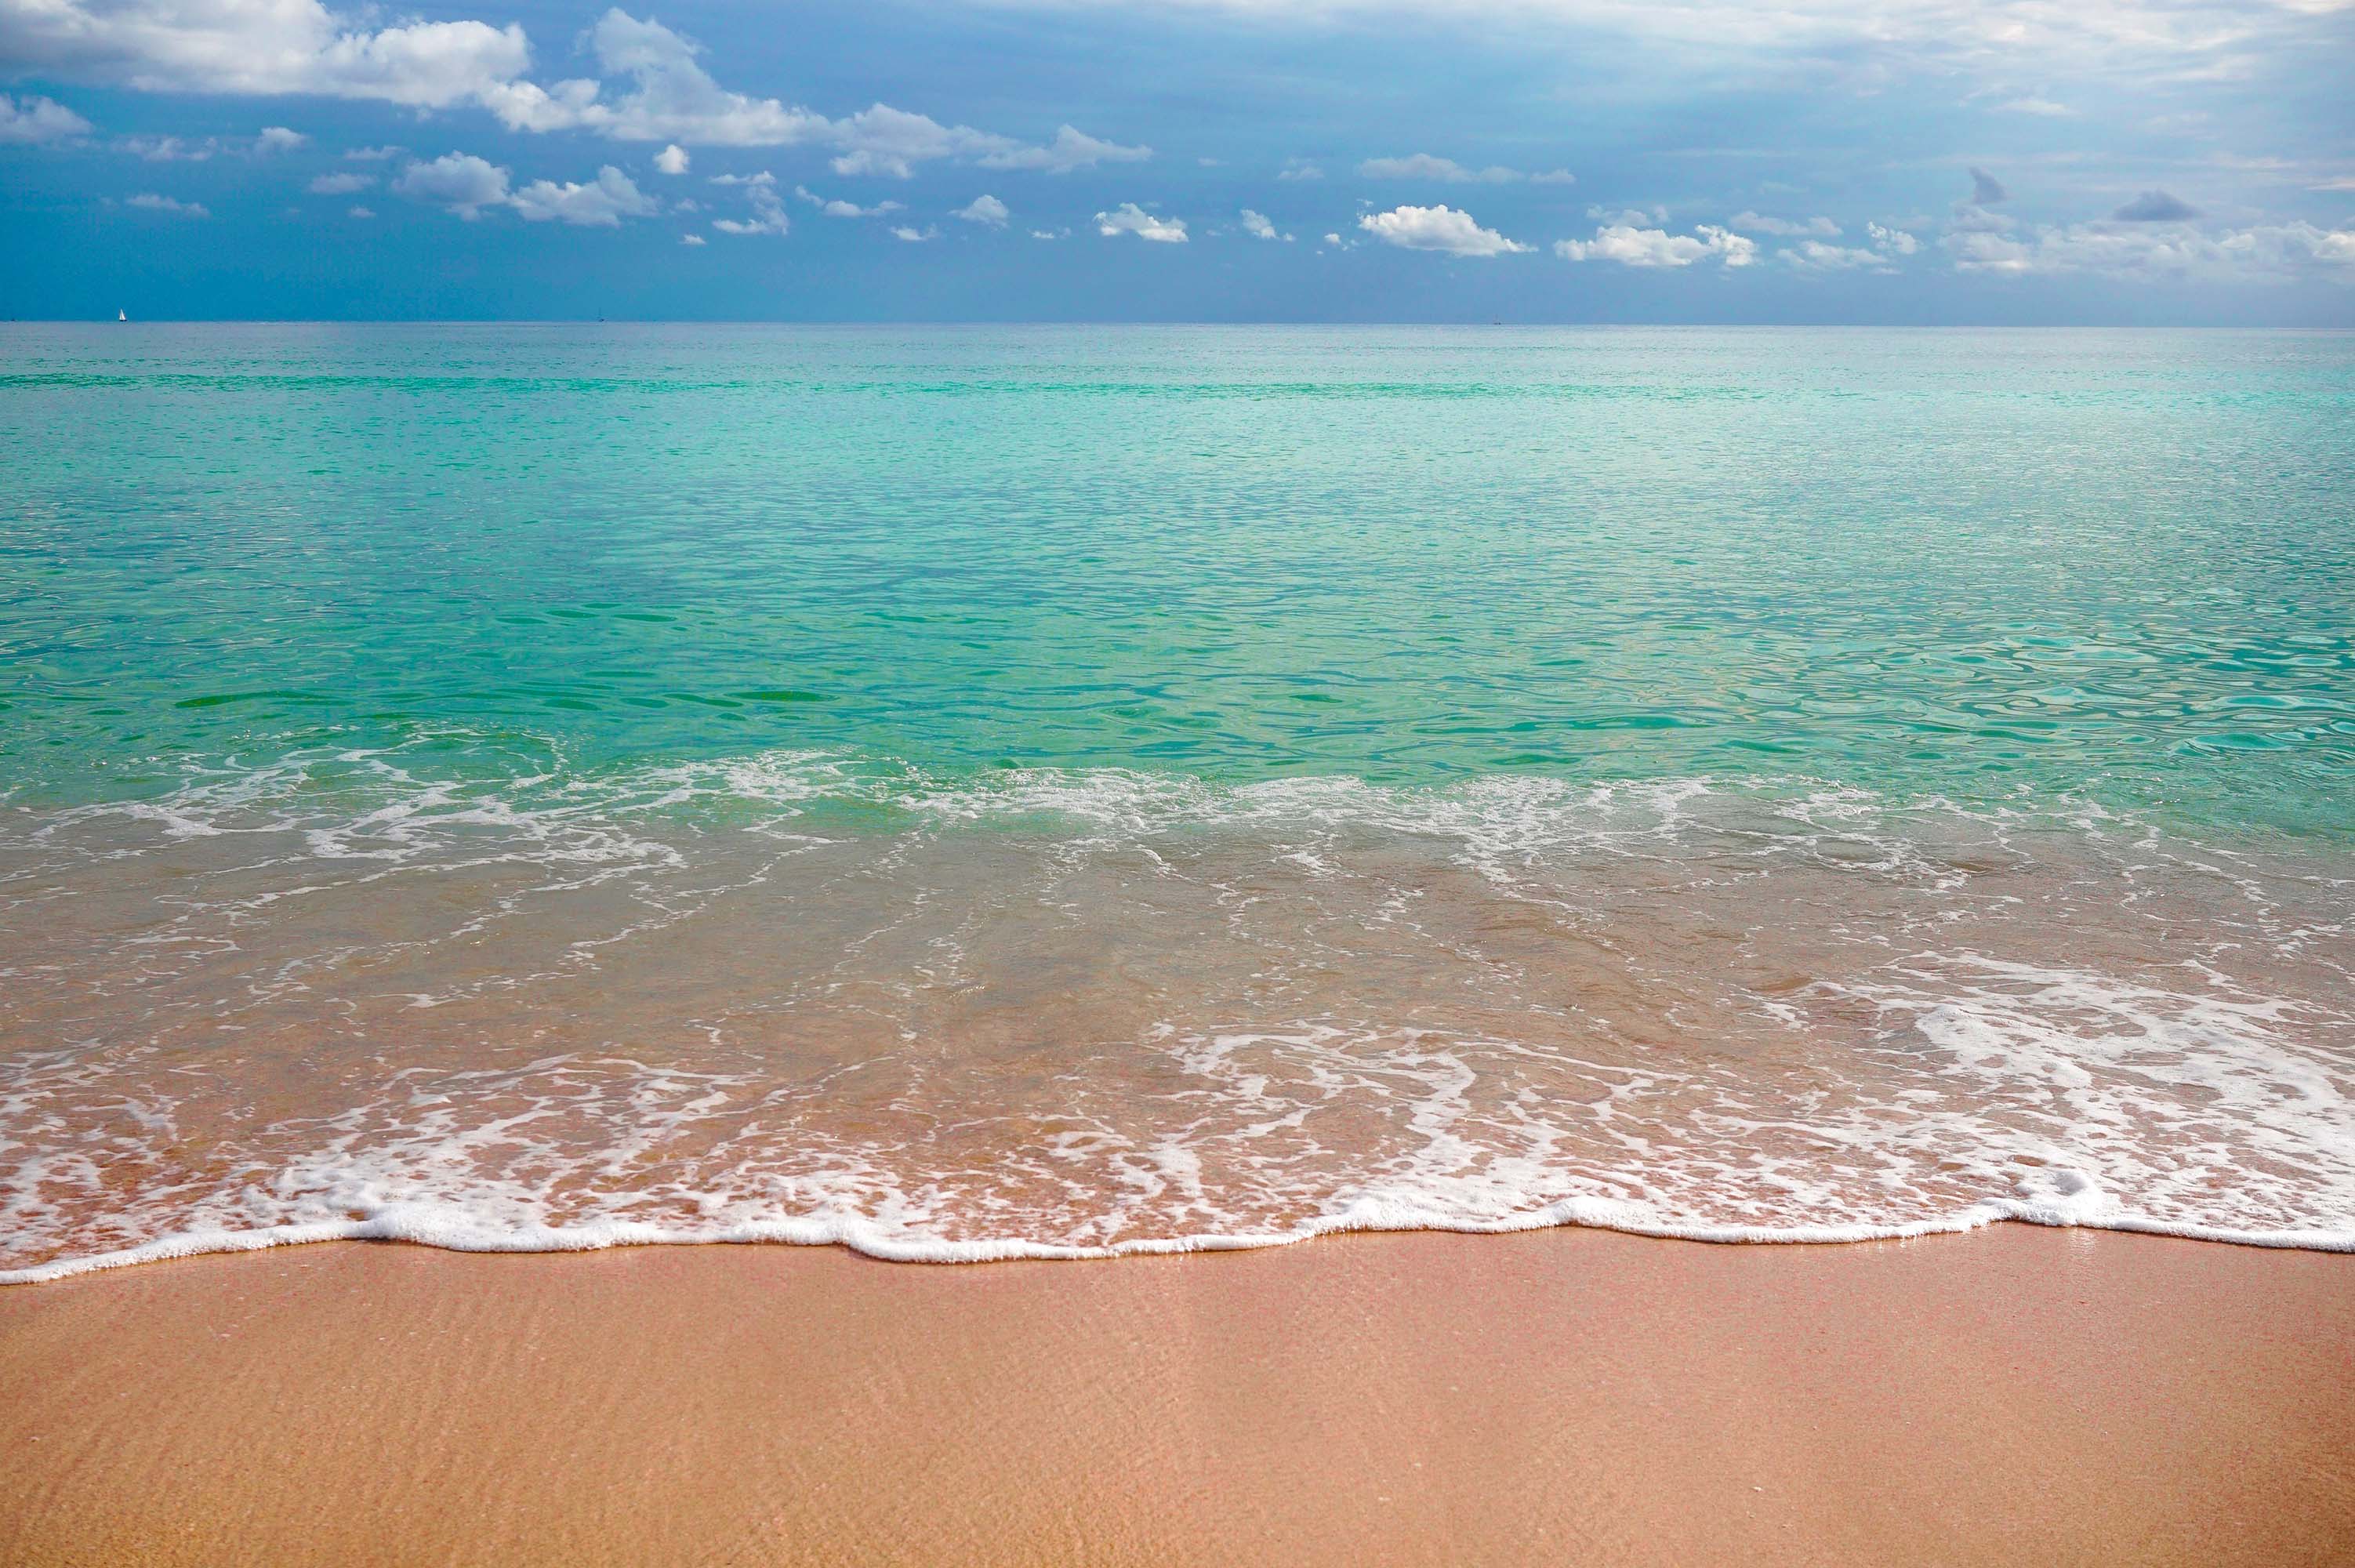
1259,226
913,235
1632,247
29,119
1436,229
279,139
341,184
261,47
467,186
834,207
984,209
652,85
601,203
671,98
461,182
148,201
882,140
1130,219
1895,241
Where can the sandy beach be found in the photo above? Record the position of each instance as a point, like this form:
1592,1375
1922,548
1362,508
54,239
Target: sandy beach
2019,1394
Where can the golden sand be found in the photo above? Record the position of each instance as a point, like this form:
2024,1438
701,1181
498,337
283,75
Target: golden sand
2018,1396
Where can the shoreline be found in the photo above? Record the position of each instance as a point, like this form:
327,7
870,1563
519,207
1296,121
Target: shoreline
1573,1214
2012,1394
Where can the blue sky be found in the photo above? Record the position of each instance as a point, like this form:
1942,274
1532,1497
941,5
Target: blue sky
1931,161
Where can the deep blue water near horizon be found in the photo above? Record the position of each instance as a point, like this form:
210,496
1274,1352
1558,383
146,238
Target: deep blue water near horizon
967,792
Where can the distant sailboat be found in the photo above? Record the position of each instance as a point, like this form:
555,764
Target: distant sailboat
122,315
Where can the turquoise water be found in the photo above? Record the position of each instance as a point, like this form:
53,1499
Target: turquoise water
971,793
2114,565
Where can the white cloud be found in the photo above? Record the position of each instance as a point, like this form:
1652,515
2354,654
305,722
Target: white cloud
1895,241
672,160
1423,166
692,240
1758,223
1436,229
1632,247
1554,176
341,185
986,209
1045,234
602,203
279,139
1299,169
768,206
2044,107
29,119
278,47
1634,216
836,208
882,140
165,149
1814,255
461,182
2269,251
672,98
1069,150
915,236
1130,219
1259,227
260,47
373,154
148,201
361,212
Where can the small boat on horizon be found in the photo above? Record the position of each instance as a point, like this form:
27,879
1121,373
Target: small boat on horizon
122,315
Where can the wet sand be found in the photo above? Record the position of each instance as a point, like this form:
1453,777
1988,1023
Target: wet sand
2016,1395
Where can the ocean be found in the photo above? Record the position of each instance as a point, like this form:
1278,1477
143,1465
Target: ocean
971,793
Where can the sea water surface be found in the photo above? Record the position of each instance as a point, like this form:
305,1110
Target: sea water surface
974,792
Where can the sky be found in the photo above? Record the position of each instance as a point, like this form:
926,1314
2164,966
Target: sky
2029,162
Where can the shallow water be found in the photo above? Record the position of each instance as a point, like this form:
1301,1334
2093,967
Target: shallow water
974,792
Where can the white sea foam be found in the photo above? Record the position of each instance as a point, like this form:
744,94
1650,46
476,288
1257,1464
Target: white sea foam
1058,1014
